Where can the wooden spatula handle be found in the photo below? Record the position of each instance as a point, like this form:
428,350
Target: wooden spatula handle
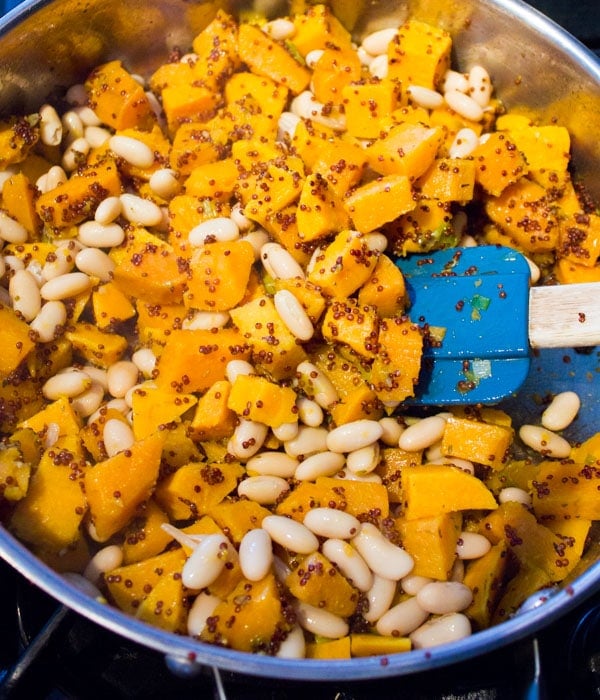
564,316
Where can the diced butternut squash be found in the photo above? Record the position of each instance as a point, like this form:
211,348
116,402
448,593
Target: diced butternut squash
213,180
317,27
407,149
498,163
375,645
329,649
258,399
336,68
477,441
393,461
369,106
320,210
431,541
14,473
58,413
213,419
16,340
236,518
486,577
188,103
144,536
448,180
565,491
385,289
154,409
18,199
353,325
379,201
579,240
96,346
111,306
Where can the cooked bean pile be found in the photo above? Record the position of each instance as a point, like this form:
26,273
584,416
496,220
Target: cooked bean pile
207,345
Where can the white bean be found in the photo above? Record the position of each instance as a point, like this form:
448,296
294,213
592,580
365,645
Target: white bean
280,29
221,228
76,95
117,436
378,41
309,412
145,360
75,154
247,439
347,475
425,97
463,464
382,556
313,57
463,144
290,534
413,583
11,230
286,125
378,67
272,464
441,630
331,522
306,106
134,151
562,411
263,489
13,263
349,562
544,441
206,562
402,619
96,136
256,554
286,431
364,460
379,597
72,126
376,242
321,622
83,585
52,316
441,597
279,263
106,212
315,381
364,56
235,368
240,219
96,263
202,608
69,383
87,115
164,183
480,85
293,646
141,211
354,435
121,376
319,464
463,105
293,315
65,286
62,262
51,129
472,545
25,294
307,442
89,401
105,560
391,431
97,375
513,493
422,434
453,80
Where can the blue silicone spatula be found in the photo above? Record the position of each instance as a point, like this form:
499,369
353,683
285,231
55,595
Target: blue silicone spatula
484,319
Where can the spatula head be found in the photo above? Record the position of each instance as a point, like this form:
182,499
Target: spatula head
473,304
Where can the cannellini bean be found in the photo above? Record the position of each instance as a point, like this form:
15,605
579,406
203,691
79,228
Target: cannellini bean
441,597
441,630
378,41
89,401
206,561
240,219
513,493
347,475
402,619
321,622
279,263
69,383
87,115
290,534
13,263
313,57
293,315
463,144
422,434
364,460
263,489
25,294
323,391
280,29
379,597
544,441
52,317
145,360
96,136
354,435
306,106
293,646
134,151
164,182
308,441
376,242
117,436
309,412
220,228
378,67
247,439
105,559
349,562
76,95
202,608
534,271
72,126
320,464
97,375
121,376
83,585
382,556
280,569
51,435
463,105
453,80
391,431
96,263
106,212
62,262
425,97
286,125
272,464
138,210
206,320
51,129
463,464
65,286
256,554
480,85
235,368
413,583
75,154
185,540
364,56
11,230
472,545
286,431
330,522
562,411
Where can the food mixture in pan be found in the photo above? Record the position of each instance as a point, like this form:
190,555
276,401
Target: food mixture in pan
206,345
